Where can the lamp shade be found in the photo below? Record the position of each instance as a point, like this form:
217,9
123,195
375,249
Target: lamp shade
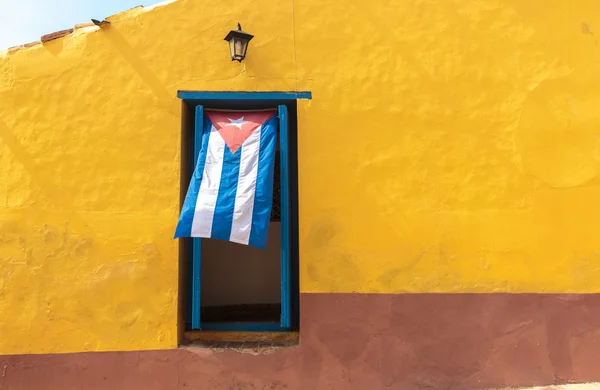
238,43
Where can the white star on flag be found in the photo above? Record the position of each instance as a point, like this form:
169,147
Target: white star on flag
237,122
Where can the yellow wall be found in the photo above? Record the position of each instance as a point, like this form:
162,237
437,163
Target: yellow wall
450,146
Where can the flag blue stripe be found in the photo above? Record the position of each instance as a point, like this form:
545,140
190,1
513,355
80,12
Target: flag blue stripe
263,198
223,217
184,227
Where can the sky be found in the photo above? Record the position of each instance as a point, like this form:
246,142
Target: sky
23,21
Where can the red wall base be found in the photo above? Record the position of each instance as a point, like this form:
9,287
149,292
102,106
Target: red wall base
363,342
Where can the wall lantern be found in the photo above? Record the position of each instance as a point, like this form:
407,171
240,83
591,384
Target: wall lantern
238,43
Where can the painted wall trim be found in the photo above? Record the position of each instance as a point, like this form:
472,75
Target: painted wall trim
194,95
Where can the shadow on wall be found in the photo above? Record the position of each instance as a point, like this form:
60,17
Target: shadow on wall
234,274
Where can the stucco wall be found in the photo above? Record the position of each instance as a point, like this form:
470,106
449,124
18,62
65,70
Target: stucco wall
450,146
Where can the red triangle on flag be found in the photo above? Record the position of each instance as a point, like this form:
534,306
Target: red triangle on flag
236,126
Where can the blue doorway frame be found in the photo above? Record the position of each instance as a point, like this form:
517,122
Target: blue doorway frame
285,102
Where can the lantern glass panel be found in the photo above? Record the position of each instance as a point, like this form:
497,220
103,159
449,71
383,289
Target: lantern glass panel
232,48
239,47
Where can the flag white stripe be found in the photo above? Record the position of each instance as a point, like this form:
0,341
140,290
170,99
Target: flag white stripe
209,186
244,197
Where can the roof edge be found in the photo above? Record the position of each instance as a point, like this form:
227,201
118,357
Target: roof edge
55,35
63,33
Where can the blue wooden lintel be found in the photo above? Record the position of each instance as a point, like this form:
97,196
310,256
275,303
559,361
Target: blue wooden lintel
228,95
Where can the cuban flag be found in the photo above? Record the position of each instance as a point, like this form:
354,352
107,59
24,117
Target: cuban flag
231,191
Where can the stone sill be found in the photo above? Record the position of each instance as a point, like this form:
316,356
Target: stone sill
259,342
